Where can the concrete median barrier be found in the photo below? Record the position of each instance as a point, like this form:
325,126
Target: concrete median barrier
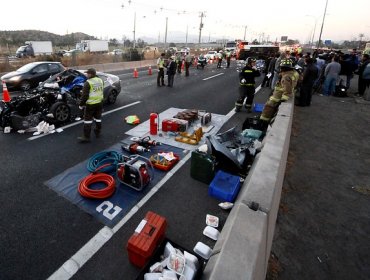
119,65
243,249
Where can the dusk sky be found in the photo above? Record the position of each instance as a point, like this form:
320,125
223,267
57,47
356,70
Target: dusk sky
107,19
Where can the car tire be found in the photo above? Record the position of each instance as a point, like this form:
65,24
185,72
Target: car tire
112,97
61,112
25,85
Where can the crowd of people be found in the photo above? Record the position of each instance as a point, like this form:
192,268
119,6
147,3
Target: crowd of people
332,69
328,74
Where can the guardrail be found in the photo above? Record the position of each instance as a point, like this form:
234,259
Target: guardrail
119,65
243,249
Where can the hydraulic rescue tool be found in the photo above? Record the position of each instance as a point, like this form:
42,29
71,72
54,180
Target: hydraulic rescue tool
135,172
145,141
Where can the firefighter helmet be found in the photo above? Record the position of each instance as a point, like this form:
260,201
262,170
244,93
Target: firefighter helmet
250,60
286,63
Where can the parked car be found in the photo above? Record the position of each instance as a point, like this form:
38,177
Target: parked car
72,52
116,52
31,74
55,101
211,55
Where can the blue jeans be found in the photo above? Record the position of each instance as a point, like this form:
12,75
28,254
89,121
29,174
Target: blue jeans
329,85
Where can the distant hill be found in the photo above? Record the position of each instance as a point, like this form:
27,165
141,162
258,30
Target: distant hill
17,38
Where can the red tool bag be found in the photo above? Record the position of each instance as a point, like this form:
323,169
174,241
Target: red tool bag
147,237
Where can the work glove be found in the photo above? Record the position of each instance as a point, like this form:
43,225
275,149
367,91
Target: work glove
80,107
243,81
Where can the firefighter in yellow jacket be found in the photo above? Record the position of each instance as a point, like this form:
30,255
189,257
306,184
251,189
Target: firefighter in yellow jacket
284,89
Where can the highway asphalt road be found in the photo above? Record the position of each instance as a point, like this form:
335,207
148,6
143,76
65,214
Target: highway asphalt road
40,230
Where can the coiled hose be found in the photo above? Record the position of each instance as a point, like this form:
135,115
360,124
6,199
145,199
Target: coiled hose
99,165
108,180
108,159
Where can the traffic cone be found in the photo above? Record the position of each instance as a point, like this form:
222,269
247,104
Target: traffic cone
6,96
195,61
136,74
150,70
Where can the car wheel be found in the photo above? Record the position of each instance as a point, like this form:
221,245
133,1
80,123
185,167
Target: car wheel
25,85
61,112
112,97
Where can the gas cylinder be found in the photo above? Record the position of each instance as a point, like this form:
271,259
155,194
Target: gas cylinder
153,123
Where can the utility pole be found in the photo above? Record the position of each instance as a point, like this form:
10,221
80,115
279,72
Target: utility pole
202,14
186,39
322,25
245,32
165,35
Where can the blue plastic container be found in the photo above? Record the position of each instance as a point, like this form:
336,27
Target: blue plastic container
224,186
258,107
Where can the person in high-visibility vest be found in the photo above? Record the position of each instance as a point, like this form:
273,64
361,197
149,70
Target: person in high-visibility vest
247,85
161,66
92,104
228,58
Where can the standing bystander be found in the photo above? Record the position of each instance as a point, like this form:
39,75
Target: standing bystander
171,71
310,75
331,73
361,81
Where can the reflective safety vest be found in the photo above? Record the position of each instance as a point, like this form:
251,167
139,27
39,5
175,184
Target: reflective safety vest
160,63
96,91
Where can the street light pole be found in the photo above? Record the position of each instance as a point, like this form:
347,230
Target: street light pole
245,32
322,25
314,29
134,43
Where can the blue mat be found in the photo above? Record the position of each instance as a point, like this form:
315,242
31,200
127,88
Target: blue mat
111,210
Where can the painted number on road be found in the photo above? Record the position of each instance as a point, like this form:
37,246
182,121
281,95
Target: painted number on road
107,211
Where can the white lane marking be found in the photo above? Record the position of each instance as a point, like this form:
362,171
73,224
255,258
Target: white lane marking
232,112
71,266
212,76
76,123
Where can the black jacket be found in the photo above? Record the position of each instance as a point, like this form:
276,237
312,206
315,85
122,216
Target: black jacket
248,73
171,67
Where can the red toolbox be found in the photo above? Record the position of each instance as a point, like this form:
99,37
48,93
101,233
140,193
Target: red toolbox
174,125
148,235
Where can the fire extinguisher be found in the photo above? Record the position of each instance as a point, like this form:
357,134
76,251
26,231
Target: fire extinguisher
154,123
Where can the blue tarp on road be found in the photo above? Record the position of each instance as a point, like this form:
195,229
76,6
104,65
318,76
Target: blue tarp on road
111,210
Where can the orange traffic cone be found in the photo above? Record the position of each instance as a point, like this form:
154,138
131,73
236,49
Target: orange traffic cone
6,96
136,74
150,70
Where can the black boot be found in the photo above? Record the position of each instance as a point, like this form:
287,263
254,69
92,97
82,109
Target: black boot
86,137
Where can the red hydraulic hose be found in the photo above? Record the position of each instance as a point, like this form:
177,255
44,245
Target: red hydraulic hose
108,180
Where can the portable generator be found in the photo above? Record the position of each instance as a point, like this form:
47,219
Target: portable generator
135,172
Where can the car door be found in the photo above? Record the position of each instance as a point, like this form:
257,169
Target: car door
40,73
